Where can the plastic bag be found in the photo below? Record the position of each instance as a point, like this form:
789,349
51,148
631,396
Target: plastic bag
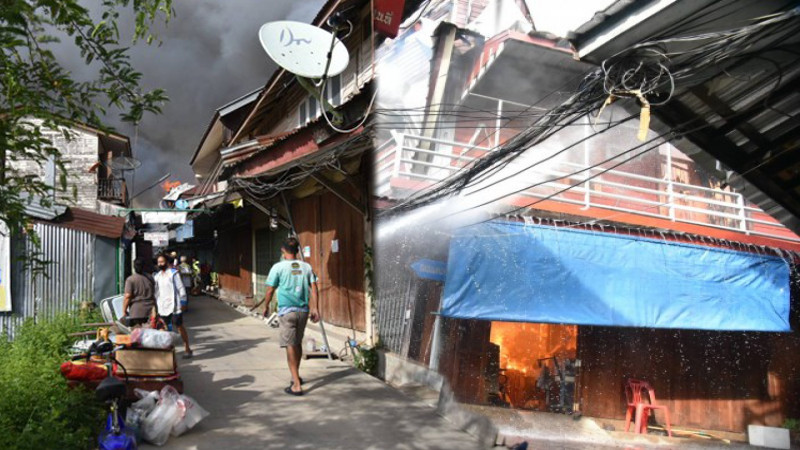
133,422
156,427
136,336
147,401
149,338
192,415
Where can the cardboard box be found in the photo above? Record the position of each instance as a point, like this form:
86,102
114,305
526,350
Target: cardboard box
147,362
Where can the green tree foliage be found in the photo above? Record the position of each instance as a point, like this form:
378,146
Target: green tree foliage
35,85
37,410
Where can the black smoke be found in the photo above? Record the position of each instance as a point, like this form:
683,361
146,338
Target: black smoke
209,55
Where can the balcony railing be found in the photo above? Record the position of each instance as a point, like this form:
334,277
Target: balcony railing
406,163
113,190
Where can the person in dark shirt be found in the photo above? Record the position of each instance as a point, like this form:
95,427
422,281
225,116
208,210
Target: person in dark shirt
139,295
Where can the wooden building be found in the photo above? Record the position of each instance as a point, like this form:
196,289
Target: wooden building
273,152
479,90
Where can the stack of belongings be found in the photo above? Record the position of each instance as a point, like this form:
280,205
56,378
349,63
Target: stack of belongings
86,366
147,357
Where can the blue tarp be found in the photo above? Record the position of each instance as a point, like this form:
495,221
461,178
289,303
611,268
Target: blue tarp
512,272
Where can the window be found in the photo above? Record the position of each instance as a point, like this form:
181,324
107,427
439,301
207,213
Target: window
334,90
310,108
303,113
313,111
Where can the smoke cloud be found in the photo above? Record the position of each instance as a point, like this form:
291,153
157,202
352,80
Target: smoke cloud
210,55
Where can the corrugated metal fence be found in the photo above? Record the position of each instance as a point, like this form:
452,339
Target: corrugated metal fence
69,275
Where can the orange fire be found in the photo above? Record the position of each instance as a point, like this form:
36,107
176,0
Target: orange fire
522,345
170,185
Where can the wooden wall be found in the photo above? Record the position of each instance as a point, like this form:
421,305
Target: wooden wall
466,358
319,219
710,380
234,255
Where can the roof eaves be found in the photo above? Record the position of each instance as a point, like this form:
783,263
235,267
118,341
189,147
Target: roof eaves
263,143
91,222
214,120
244,100
269,141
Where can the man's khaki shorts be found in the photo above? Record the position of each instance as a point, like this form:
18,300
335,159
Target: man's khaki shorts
293,326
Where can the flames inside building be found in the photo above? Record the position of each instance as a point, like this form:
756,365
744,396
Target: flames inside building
535,367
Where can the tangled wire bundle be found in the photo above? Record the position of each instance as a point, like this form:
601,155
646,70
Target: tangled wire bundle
642,71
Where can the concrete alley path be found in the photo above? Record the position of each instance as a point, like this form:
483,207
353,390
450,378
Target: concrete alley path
238,374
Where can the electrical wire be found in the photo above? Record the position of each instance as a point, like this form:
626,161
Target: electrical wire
550,157
620,75
671,134
261,190
570,110
497,129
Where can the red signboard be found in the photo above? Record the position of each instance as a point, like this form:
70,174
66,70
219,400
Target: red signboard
387,16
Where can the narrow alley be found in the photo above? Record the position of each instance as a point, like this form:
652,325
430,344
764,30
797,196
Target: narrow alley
238,374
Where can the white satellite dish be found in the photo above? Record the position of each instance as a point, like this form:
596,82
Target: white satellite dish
124,163
302,49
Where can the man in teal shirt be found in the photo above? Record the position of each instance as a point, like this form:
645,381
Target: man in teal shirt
296,284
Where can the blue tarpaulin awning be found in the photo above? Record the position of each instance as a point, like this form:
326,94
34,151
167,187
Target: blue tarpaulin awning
508,271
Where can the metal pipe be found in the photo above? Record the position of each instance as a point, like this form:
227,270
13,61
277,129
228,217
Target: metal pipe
670,188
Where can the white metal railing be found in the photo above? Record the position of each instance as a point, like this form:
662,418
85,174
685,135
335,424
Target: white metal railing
406,163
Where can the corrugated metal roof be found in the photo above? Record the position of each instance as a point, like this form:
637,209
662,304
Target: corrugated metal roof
258,144
90,222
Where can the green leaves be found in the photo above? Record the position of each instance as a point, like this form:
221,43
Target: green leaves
37,410
34,84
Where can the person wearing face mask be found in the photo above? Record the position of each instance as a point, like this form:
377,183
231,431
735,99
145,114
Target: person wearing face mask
169,292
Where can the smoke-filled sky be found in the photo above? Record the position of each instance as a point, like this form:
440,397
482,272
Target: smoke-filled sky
209,56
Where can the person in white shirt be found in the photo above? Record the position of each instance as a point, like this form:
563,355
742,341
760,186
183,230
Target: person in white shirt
169,293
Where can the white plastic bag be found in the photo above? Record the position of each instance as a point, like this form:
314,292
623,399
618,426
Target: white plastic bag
157,426
147,401
159,339
192,415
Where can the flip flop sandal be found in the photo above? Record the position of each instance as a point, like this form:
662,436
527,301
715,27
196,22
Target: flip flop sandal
302,381
289,391
188,355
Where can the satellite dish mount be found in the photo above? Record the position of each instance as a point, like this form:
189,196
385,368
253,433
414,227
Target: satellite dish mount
125,163
308,52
